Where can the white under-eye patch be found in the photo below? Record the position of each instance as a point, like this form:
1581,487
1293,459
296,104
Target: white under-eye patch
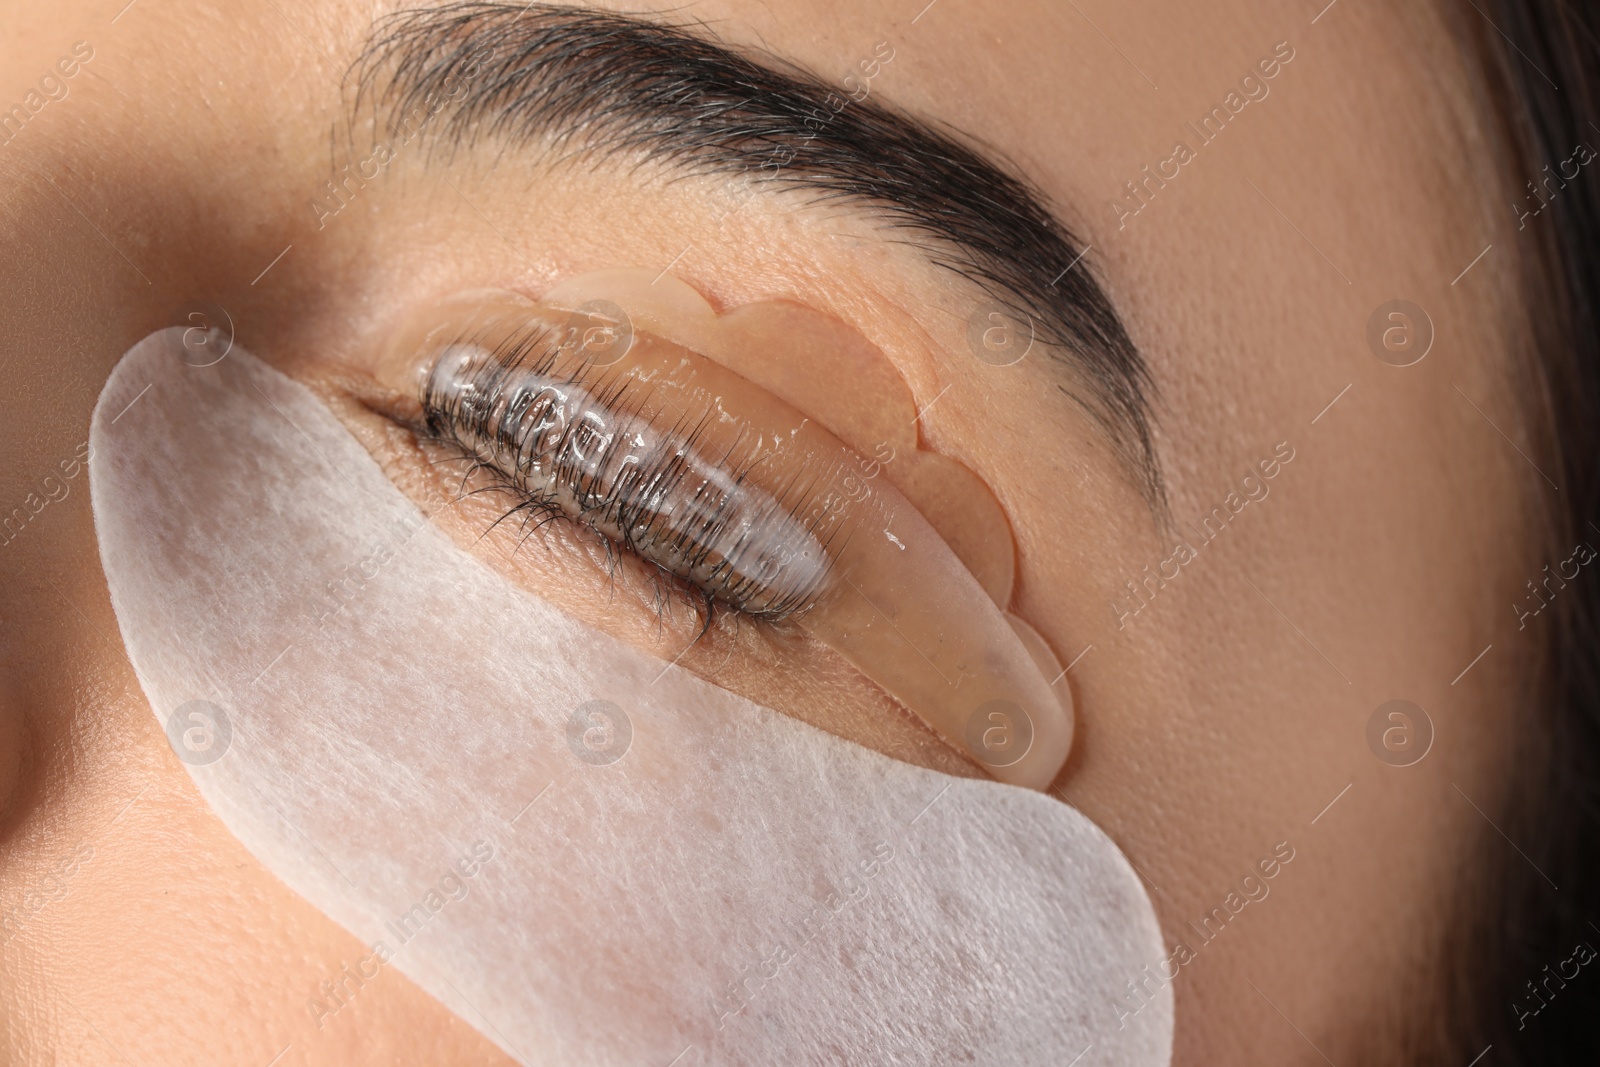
592,856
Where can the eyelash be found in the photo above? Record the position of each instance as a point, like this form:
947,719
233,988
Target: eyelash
520,413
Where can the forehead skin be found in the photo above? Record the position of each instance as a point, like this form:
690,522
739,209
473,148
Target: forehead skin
1216,723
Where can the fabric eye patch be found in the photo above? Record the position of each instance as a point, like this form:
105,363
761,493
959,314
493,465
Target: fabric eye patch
659,868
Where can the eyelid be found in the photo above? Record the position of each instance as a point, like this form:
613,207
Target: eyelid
749,490
804,356
591,448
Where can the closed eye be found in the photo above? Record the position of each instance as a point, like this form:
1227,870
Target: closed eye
739,502
649,465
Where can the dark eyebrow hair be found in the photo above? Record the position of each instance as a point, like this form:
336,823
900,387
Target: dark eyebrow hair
610,84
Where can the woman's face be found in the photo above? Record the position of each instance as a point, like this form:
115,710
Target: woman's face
1253,186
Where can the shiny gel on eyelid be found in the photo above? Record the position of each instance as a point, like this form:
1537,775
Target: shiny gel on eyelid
749,489
591,857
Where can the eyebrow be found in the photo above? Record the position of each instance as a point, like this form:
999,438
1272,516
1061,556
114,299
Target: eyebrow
615,85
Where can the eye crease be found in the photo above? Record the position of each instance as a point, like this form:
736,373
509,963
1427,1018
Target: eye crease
747,505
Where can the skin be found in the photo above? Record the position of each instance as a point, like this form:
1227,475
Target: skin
1215,724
